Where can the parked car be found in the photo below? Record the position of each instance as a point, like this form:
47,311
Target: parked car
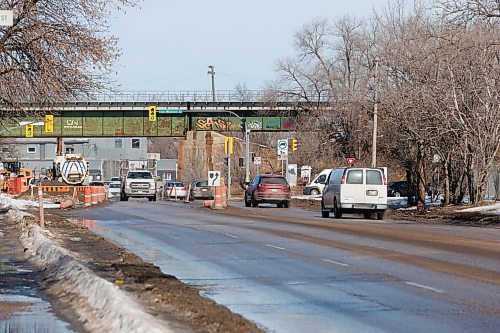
399,189
268,189
317,185
114,189
200,190
355,190
175,189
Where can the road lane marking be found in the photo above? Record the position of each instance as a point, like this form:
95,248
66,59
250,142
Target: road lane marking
232,236
424,287
335,262
275,247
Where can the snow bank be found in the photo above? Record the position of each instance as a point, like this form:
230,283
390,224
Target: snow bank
100,304
7,202
493,209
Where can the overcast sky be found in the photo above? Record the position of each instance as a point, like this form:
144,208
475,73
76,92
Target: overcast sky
167,45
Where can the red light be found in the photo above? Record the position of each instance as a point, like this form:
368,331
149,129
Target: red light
343,180
385,179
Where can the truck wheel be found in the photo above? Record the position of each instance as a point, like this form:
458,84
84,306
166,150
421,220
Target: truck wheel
254,203
153,198
286,204
248,203
380,215
337,212
314,192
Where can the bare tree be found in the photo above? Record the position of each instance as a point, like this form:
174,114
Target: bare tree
55,50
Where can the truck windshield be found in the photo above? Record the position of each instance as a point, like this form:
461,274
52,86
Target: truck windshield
139,175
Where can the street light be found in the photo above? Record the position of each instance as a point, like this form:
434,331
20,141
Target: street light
375,116
212,72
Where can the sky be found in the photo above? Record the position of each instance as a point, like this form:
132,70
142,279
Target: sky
167,45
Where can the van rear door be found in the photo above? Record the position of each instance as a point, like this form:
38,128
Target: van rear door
363,188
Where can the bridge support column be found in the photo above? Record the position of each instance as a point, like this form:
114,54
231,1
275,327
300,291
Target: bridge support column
59,146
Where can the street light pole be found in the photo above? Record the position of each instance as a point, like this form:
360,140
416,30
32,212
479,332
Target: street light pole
375,116
212,72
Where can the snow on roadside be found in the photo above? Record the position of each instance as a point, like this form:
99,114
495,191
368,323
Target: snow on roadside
8,202
100,304
493,209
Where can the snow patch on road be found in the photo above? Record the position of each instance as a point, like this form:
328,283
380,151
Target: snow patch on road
100,304
7,202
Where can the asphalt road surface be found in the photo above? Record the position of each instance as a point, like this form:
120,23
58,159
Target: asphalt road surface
289,270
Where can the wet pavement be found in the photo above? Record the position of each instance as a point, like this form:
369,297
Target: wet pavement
22,306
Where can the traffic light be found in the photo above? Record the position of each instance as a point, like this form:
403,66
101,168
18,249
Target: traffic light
29,131
152,113
294,145
243,125
228,145
49,123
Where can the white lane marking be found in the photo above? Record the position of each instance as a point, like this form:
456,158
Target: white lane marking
275,247
232,236
424,287
335,262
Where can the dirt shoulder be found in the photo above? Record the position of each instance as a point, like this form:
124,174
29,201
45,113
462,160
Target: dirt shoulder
162,295
444,214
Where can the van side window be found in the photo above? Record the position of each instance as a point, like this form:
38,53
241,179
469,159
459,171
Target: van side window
321,179
354,177
373,177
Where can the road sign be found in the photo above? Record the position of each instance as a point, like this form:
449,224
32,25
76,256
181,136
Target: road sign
283,146
282,155
169,111
214,178
6,18
257,160
351,160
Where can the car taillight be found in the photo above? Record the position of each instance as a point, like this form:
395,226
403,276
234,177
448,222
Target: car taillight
260,185
343,180
385,179
183,189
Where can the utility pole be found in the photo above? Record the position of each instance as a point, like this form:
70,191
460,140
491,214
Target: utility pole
375,115
212,72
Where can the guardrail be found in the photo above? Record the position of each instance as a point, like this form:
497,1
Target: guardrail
205,96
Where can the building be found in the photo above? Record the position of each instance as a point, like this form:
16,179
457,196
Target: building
103,154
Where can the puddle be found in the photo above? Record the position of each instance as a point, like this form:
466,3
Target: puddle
21,310
28,315
88,223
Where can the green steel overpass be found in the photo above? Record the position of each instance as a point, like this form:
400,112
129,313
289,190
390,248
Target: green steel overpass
159,114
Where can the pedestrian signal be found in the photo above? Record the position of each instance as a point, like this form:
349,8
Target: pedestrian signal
152,113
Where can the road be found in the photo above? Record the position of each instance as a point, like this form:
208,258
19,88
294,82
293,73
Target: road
291,271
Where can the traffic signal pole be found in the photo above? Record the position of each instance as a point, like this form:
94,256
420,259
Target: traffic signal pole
247,154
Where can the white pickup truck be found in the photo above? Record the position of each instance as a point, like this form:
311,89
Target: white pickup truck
138,184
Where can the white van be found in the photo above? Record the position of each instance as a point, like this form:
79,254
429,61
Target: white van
355,190
317,185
